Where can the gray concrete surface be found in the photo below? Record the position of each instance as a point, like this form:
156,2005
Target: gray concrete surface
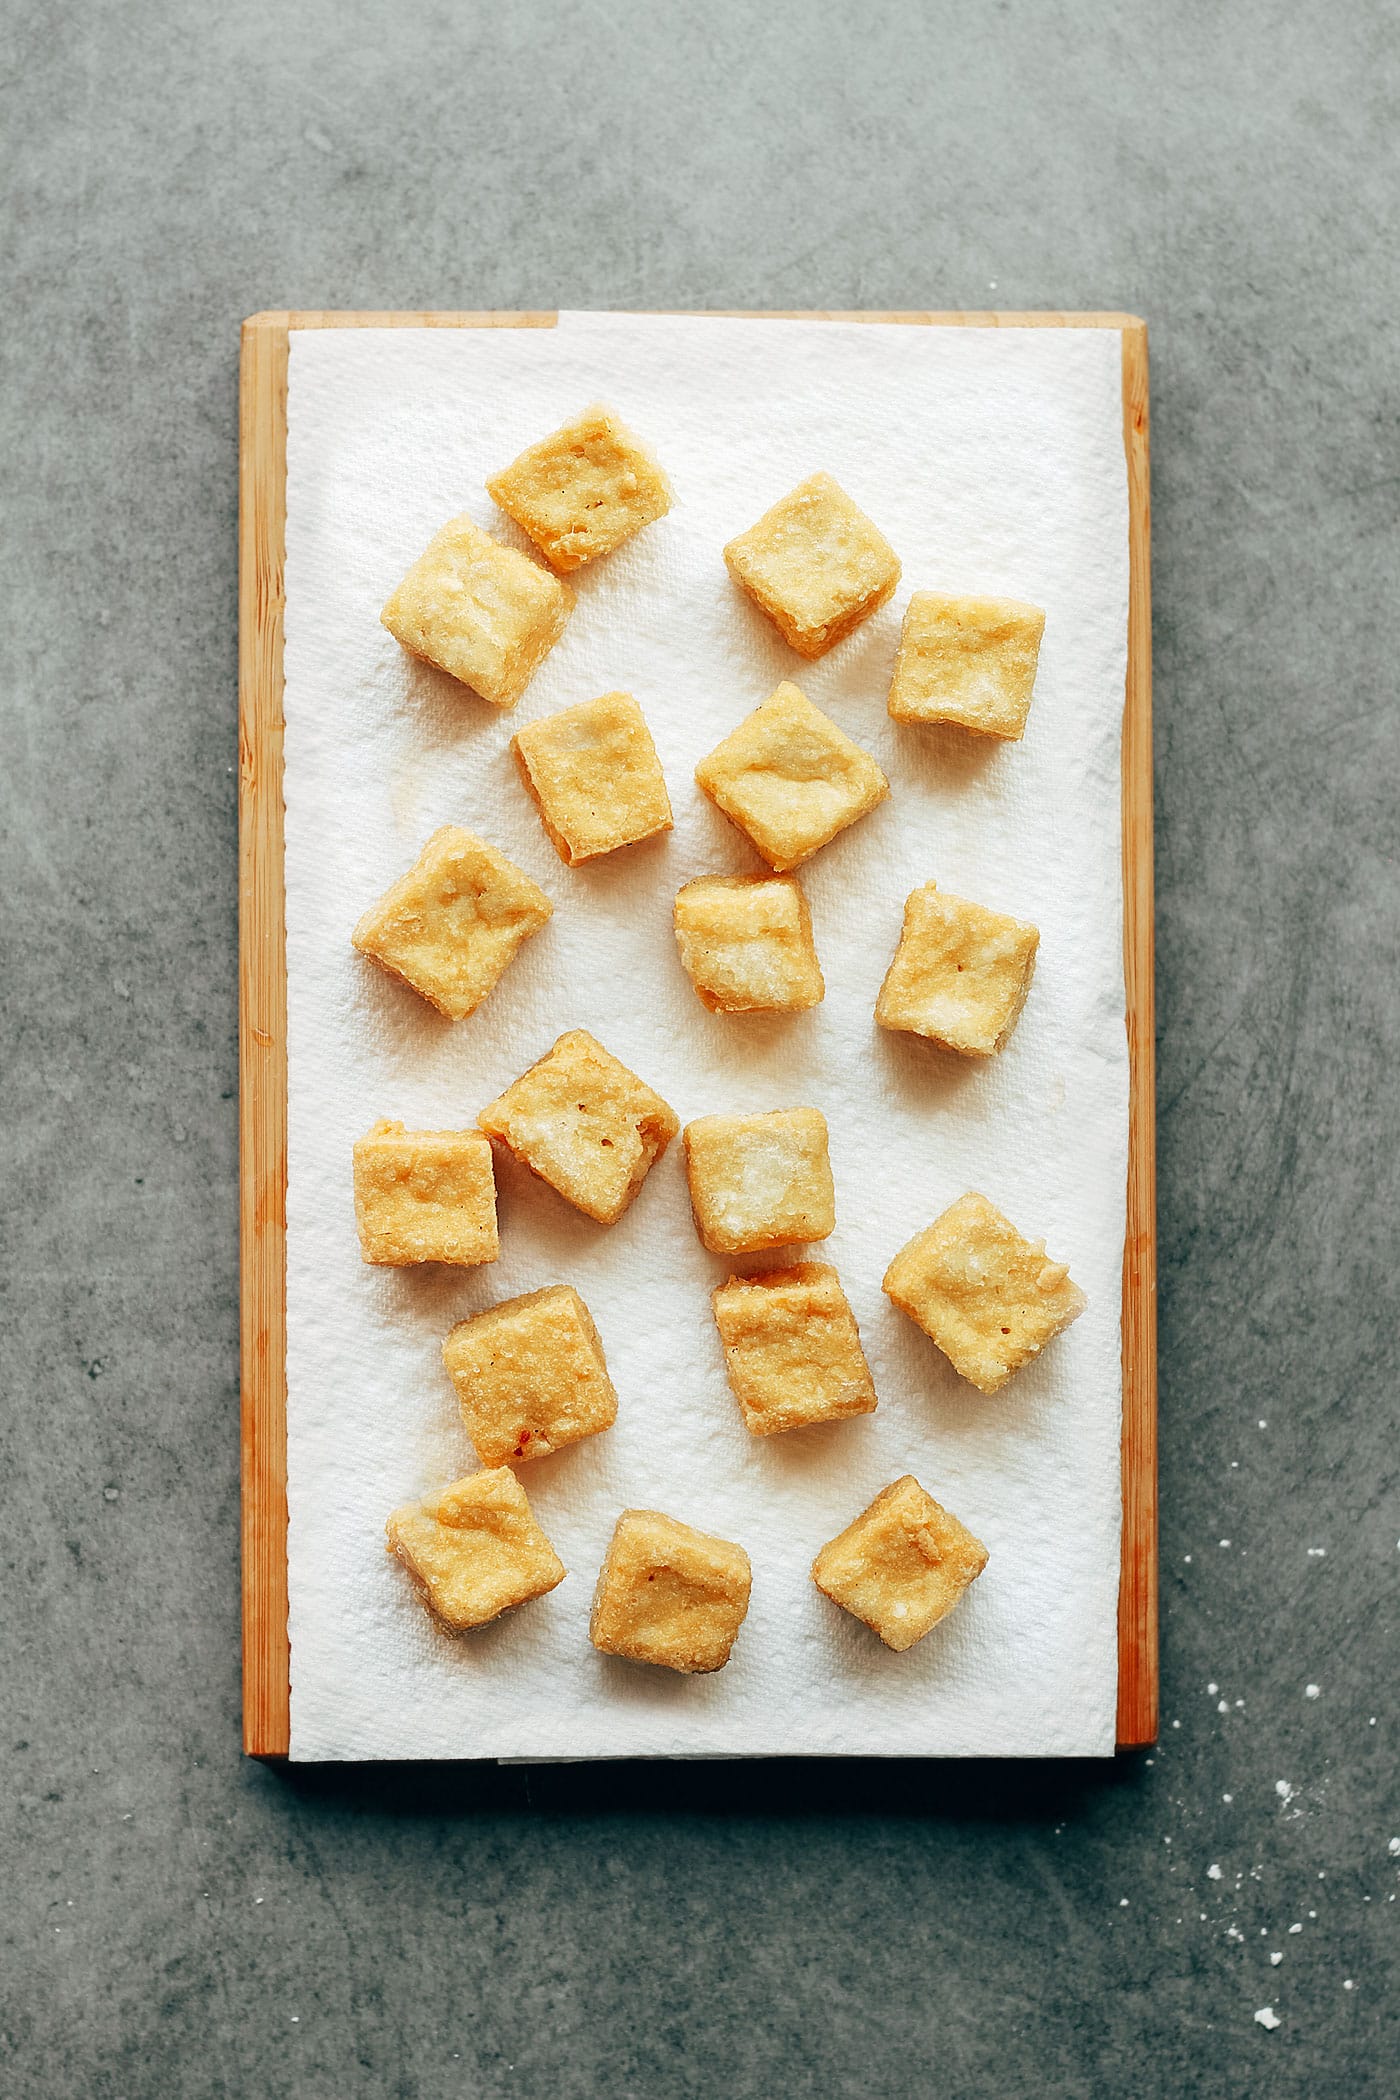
178,1923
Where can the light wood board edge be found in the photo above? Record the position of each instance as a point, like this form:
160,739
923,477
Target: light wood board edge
263,1004
262,1040
1137,1588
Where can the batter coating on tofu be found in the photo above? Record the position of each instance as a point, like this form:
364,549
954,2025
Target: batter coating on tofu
585,1124
583,490
815,564
759,1181
484,613
746,944
455,922
790,779
960,974
988,1297
530,1375
669,1594
902,1565
967,661
474,1550
792,1348
593,774
425,1195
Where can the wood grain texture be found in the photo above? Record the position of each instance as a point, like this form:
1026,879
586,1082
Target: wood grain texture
263,1004
1137,1589
262,1040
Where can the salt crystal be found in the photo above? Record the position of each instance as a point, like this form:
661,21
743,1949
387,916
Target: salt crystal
1295,1928
1212,1689
1347,1984
1393,1848
1227,1797
1283,1790
1275,1959
1267,2017
1223,1706
1213,1872
1310,1691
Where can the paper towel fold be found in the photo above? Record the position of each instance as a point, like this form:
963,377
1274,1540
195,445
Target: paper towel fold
993,462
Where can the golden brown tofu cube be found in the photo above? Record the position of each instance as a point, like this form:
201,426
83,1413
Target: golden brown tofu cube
746,944
583,490
475,1550
815,564
970,661
902,1565
484,613
594,776
960,974
669,1594
450,926
585,1124
792,1348
530,1375
425,1195
989,1298
790,779
760,1180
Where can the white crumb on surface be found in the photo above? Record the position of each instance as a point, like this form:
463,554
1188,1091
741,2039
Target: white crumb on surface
1393,1848
1213,1871
1267,2017
1212,1688
1311,1691
1275,1958
1284,1791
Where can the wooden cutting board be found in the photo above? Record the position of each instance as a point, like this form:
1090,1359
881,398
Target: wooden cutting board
262,1011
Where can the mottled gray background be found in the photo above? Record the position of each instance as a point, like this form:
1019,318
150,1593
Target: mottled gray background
179,1923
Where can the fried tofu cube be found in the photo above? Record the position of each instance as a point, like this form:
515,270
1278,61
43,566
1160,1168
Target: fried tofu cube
760,1180
970,661
453,923
790,779
902,1565
815,564
960,974
669,1594
746,944
530,1375
425,1195
484,613
594,776
583,490
792,1348
475,1550
585,1124
990,1299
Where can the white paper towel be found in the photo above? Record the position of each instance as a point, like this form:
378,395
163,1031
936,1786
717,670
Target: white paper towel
993,462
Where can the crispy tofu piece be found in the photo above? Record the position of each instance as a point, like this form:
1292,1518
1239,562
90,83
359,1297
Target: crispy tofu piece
530,1375
669,1594
760,1180
902,1565
990,1299
585,1124
484,613
746,944
792,1348
594,776
815,564
970,661
425,1195
453,923
475,1550
583,490
960,974
790,779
